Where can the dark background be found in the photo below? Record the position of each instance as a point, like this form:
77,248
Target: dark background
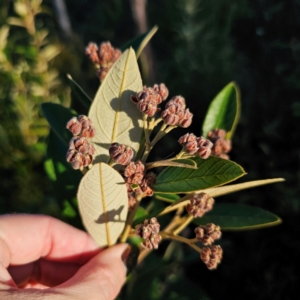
199,48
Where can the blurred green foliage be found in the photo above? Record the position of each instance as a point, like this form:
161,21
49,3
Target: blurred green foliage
201,45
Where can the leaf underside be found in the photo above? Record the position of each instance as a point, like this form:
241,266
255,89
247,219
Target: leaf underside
103,203
210,173
114,115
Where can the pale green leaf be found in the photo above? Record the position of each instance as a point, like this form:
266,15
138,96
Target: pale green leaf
114,115
103,203
232,188
146,40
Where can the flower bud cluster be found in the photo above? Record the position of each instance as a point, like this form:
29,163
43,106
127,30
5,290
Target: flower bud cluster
135,174
196,145
211,256
200,204
80,153
176,114
103,57
120,153
208,233
148,99
81,126
221,145
149,231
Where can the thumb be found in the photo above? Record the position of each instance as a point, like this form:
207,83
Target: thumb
101,278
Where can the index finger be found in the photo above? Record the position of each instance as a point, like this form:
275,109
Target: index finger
26,238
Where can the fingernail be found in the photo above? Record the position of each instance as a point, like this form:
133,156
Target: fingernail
130,256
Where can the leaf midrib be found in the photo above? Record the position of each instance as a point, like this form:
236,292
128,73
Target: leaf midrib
116,120
104,206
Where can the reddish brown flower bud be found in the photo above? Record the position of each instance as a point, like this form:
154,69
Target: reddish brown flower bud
103,58
162,91
204,147
175,113
221,146
149,95
211,256
148,107
188,137
147,184
170,119
189,143
92,51
134,173
208,233
200,204
82,126
74,126
80,152
147,101
108,54
149,231
178,101
216,134
134,167
149,227
120,153
186,119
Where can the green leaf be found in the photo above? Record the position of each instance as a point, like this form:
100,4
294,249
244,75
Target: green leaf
140,42
224,111
170,198
79,92
58,117
65,179
211,172
140,214
114,116
231,216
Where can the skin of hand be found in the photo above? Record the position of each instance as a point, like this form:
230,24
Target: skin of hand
44,258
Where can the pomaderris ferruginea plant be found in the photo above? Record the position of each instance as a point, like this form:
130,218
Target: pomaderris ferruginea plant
111,146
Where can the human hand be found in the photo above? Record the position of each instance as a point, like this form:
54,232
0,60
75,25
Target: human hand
44,257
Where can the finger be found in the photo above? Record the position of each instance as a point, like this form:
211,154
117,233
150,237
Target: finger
26,238
42,272
101,278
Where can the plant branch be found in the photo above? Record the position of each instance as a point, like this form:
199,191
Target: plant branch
185,223
129,220
171,236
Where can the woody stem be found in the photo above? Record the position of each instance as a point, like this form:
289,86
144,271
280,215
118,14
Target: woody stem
171,236
129,220
185,223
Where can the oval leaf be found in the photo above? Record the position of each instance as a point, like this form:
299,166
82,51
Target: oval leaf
211,172
224,111
114,115
139,43
231,216
103,203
